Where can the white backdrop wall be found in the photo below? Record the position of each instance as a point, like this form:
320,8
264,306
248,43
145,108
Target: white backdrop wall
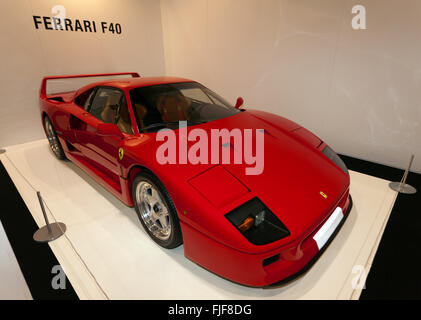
27,54
358,90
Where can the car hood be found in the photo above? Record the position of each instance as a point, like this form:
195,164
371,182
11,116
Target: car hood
295,173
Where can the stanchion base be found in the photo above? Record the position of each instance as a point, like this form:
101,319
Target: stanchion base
57,230
402,187
2,151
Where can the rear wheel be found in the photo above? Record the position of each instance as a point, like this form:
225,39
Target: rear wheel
53,140
156,211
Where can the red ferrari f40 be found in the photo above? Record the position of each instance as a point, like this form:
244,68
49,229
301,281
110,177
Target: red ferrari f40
138,137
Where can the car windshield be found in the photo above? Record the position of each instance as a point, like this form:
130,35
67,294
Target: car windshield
165,105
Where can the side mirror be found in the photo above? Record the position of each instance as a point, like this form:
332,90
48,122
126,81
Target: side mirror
239,103
109,129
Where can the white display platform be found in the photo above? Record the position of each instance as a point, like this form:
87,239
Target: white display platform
13,285
107,255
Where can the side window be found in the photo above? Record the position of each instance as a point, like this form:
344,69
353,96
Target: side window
84,98
105,104
109,105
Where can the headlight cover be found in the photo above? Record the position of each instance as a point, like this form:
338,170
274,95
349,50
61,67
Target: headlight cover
257,223
328,152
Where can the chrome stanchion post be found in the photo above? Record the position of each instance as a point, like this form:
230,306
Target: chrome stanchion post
402,186
50,231
47,223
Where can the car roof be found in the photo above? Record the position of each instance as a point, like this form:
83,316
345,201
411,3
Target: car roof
131,83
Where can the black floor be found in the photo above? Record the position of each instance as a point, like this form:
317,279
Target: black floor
395,274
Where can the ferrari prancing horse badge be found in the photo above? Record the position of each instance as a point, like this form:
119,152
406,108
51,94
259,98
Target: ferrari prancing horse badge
120,153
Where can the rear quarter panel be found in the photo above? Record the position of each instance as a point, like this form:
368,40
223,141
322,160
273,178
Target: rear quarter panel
58,112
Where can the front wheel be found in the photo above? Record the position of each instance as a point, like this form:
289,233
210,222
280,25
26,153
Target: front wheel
53,140
156,211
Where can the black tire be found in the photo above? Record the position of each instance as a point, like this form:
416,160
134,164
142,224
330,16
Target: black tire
53,140
175,237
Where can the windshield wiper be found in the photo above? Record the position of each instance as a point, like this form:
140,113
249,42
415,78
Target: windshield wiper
165,124
197,121
157,125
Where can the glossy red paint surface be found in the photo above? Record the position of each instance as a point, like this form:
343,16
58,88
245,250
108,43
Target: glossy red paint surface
218,178
295,172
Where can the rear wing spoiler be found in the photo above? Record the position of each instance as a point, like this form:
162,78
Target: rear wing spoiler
43,90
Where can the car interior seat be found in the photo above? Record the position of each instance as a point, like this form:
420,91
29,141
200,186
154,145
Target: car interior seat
124,122
141,112
173,107
108,115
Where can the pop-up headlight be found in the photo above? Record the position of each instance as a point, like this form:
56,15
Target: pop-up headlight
328,152
257,223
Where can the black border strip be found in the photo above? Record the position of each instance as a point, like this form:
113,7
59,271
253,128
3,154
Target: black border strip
372,168
35,260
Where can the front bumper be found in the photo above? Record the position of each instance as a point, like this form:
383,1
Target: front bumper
248,269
